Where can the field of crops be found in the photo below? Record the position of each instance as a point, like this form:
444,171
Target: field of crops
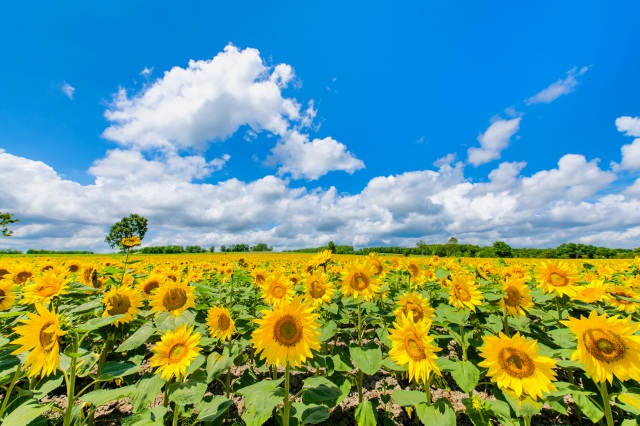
297,339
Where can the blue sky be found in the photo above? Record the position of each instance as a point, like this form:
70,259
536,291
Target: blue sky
296,123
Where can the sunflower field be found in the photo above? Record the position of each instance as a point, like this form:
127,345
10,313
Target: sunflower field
296,339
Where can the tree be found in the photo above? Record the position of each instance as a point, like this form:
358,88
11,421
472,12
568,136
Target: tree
212,249
6,219
502,249
331,247
126,228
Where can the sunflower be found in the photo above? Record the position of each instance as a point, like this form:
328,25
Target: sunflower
220,323
517,299
88,274
412,345
419,307
413,268
557,277
122,300
73,266
318,288
173,297
40,334
322,259
7,298
593,292
151,283
607,346
514,364
376,264
4,269
21,273
277,289
129,242
287,334
259,276
516,271
45,286
360,281
621,304
464,293
175,351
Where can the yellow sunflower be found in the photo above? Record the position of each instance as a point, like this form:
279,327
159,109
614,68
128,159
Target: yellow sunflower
376,264
174,297
277,289
21,273
129,242
318,288
40,334
621,304
259,276
175,351
360,281
607,346
151,283
514,364
4,269
557,277
44,287
322,259
517,299
464,293
122,300
287,334
593,292
88,274
419,307
7,297
412,345
220,323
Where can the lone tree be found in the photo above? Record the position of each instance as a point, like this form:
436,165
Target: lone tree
5,220
126,228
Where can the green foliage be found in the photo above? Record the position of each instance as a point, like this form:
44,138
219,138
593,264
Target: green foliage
5,220
125,228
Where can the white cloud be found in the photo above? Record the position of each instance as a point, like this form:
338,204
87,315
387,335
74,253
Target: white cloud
446,160
146,72
68,90
207,101
312,159
493,141
630,126
561,87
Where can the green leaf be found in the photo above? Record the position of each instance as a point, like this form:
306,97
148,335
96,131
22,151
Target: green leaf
216,364
96,323
328,331
195,364
113,369
523,405
588,407
630,401
25,413
138,338
310,414
406,398
365,414
189,392
11,314
85,307
479,417
390,364
8,363
466,375
212,407
439,414
367,358
47,385
341,361
102,396
501,410
319,389
260,399
147,389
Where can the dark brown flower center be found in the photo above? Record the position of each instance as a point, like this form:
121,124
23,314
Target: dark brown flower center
174,298
604,345
558,280
513,297
22,277
149,286
317,289
359,281
418,313
516,363
47,339
461,293
177,353
120,304
415,348
224,322
288,330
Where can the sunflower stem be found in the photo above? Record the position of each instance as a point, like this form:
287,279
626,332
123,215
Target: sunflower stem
71,384
558,309
126,262
462,342
527,420
606,403
176,413
427,388
287,401
360,373
103,357
14,379
505,320
228,384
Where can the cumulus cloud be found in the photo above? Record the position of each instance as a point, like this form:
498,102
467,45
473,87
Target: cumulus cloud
68,90
146,72
493,141
446,160
207,101
561,87
630,126
310,160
